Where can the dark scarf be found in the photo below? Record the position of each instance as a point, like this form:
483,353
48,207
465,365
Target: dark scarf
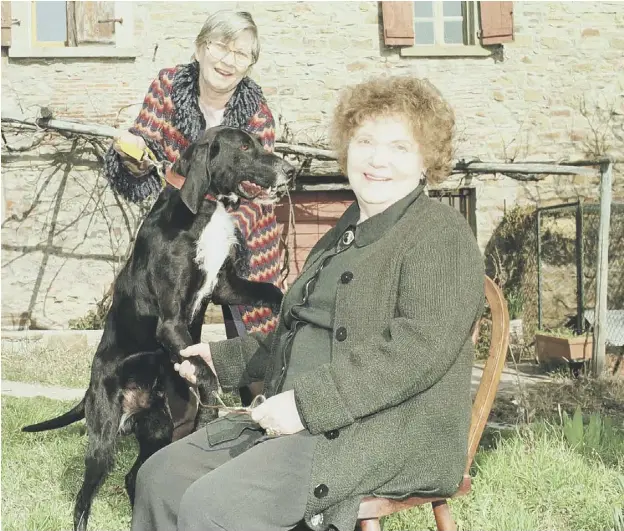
189,119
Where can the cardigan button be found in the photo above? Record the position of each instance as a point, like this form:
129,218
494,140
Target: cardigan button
346,277
321,490
317,520
332,434
341,333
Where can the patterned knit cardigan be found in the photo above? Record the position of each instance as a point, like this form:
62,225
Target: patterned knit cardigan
169,120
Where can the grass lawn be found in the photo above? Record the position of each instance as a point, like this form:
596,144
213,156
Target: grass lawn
41,473
34,362
533,480
530,479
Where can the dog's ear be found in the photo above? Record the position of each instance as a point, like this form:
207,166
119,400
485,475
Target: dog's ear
194,165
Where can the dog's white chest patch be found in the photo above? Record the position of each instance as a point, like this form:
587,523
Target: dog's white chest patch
213,247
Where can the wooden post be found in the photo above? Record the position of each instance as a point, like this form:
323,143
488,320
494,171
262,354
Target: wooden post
602,270
538,238
580,277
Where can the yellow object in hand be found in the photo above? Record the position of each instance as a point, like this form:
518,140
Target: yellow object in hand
139,159
132,150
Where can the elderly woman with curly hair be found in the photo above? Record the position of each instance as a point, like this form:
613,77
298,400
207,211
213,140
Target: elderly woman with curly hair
367,377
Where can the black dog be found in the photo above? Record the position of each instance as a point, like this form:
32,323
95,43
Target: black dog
183,257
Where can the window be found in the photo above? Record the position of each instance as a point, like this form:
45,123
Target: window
49,23
444,23
57,23
71,29
446,28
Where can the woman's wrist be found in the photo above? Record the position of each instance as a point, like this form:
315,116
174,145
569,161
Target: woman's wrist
305,425
133,166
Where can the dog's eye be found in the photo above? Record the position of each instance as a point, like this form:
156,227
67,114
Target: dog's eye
244,147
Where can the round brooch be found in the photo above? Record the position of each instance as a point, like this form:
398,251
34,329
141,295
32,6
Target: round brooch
348,237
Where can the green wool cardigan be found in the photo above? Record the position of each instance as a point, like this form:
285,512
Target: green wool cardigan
394,402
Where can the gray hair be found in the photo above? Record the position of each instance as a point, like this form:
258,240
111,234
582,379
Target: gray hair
228,25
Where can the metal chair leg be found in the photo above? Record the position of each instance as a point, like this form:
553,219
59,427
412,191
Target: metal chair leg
370,525
443,518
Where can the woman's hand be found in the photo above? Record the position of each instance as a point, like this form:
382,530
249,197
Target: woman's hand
135,166
186,369
278,414
126,137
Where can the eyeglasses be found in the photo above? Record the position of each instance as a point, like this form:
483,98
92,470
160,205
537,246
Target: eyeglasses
220,51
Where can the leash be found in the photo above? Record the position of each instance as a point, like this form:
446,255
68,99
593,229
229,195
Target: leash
146,154
230,410
159,165
259,399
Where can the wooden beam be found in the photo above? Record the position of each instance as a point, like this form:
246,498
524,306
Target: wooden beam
521,171
522,167
61,125
320,187
293,149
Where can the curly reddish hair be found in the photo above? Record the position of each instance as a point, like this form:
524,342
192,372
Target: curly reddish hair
429,116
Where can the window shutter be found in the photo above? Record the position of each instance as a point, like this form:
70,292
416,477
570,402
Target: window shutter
496,22
90,23
6,24
398,23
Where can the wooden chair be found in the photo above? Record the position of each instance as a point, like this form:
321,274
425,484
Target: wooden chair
373,508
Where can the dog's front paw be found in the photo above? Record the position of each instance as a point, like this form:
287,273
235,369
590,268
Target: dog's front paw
203,373
276,304
207,387
273,297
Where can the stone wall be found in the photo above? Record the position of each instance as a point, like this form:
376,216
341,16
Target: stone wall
65,227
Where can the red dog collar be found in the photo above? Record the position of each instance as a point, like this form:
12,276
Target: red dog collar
174,179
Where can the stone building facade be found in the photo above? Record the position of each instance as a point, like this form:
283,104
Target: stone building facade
555,92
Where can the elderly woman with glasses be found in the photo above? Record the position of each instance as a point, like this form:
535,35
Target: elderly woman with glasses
367,377
213,89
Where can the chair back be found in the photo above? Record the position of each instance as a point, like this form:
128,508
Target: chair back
486,392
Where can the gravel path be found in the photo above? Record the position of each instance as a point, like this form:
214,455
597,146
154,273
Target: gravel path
23,389
528,373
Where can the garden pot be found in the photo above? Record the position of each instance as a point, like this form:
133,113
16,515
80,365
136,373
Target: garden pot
578,348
